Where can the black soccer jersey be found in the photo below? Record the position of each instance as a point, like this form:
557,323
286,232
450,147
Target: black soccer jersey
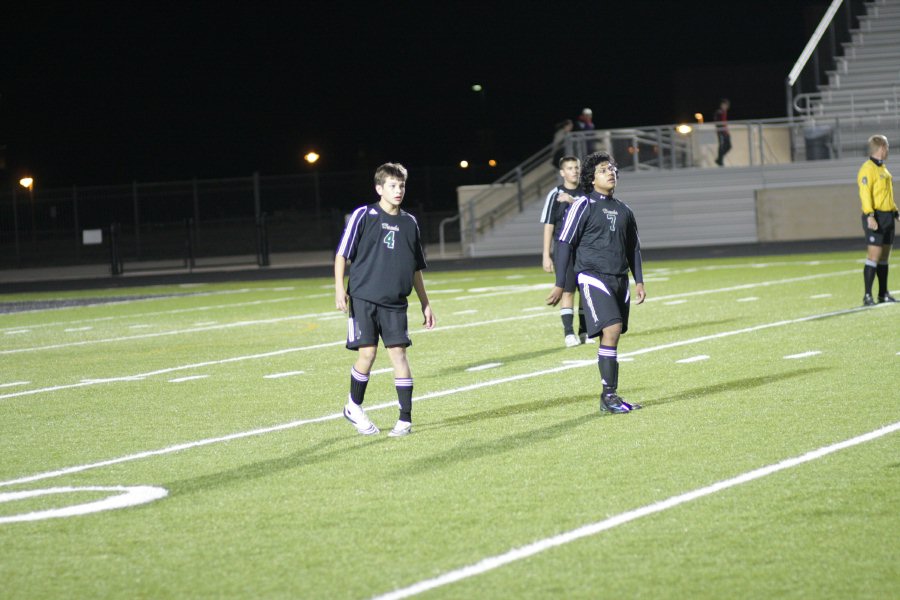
603,234
384,251
555,211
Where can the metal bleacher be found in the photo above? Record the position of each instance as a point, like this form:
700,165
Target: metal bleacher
679,199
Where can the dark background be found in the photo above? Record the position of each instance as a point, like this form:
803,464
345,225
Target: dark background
111,92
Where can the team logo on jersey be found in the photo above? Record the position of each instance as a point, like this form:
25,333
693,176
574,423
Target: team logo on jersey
390,227
865,180
373,211
606,211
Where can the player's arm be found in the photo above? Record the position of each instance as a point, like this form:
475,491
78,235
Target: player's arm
866,182
340,293
419,286
563,251
635,261
548,240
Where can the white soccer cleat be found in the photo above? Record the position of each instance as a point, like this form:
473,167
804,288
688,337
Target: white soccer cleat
572,340
357,417
400,429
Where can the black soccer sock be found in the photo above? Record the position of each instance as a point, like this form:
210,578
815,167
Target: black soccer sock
869,275
607,360
358,383
881,269
404,387
582,327
567,316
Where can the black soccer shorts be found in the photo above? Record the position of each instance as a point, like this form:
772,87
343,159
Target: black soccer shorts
884,235
606,299
368,321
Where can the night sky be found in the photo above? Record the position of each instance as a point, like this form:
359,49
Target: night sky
110,92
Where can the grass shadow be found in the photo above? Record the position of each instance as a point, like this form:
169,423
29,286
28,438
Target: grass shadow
733,385
676,328
509,358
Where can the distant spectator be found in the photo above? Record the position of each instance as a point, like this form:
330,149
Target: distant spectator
722,133
563,128
586,120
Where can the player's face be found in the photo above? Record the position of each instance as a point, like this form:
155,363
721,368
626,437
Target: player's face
392,192
605,177
570,172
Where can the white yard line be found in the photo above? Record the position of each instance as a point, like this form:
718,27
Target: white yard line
484,367
234,359
285,374
804,354
393,404
516,554
692,359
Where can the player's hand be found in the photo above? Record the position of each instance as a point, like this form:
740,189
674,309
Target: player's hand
871,223
429,321
639,293
548,264
555,296
340,300
564,197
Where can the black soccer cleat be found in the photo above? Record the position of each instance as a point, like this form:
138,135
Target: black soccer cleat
868,301
612,403
886,298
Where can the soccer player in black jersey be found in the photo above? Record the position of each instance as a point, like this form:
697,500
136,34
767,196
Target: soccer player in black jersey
383,246
555,206
603,233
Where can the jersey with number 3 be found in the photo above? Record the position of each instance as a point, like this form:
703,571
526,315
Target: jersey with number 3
603,234
384,252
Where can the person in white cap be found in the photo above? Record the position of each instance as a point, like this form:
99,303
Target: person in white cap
585,120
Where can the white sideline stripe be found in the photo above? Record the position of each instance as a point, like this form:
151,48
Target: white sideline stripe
168,333
697,358
820,296
471,311
14,383
17,331
188,378
748,299
516,554
73,329
139,326
484,367
380,371
674,302
535,308
750,286
285,374
159,312
234,359
393,404
804,354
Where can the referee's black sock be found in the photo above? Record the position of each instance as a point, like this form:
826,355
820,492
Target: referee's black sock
358,383
869,275
607,360
881,269
566,314
404,387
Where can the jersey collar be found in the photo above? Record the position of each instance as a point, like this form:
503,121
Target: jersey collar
880,163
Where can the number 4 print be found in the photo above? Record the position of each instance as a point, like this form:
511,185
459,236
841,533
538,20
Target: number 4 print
389,240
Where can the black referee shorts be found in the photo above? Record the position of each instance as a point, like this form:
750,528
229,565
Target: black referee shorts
606,299
884,235
368,321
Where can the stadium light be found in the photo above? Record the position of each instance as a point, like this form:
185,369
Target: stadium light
27,183
699,117
684,129
463,164
311,157
492,163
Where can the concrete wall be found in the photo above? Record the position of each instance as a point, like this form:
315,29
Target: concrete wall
807,213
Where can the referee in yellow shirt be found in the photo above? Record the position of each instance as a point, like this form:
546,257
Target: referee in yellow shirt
876,191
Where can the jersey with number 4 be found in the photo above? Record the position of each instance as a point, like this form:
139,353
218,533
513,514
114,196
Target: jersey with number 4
603,234
384,251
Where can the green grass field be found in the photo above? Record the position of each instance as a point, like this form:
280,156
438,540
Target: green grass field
226,398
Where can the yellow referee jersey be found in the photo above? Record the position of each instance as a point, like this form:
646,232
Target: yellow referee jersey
876,188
